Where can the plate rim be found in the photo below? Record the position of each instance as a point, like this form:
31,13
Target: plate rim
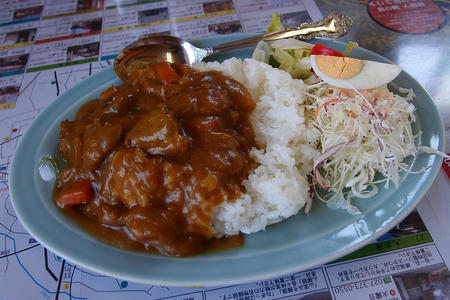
14,183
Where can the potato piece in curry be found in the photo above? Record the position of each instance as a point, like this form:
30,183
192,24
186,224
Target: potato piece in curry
151,158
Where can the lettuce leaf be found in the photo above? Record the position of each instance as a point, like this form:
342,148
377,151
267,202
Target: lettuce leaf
276,24
294,61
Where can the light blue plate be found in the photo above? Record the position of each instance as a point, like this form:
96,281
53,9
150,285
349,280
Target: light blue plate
295,244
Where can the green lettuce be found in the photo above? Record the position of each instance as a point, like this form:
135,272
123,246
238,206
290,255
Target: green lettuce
276,24
294,61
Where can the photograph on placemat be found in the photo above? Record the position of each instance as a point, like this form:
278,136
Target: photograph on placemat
432,282
215,6
20,36
89,4
8,96
153,15
295,18
412,224
28,13
82,51
13,63
79,27
225,28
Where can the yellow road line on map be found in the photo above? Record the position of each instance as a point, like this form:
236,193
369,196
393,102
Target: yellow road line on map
24,44
205,16
4,106
109,30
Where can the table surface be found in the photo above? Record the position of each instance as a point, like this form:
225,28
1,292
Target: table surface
48,46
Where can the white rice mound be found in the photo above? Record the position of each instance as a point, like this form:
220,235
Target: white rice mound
277,188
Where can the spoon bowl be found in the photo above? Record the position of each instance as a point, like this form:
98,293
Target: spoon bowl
165,48
155,48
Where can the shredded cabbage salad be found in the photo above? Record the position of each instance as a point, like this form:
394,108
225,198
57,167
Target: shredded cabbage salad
362,133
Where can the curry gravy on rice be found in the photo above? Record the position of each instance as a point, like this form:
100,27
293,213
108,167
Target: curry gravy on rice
149,160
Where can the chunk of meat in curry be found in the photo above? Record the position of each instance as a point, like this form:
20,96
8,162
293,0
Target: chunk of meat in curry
155,156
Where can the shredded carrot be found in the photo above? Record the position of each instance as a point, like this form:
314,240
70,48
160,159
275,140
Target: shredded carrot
323,105
351,114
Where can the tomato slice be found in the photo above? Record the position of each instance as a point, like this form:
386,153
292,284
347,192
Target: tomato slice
320,49
166,73
78,193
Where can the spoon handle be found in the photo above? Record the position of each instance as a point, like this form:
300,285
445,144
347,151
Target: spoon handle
335,25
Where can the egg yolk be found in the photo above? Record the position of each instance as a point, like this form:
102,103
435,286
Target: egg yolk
339,67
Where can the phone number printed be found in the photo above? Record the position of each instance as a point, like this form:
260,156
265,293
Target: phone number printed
387,264
295,284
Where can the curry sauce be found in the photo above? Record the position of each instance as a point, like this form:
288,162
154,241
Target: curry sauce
149,160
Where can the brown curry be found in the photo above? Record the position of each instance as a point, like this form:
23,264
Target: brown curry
151,158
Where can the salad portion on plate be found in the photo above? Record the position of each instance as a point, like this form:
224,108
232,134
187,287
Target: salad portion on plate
362,129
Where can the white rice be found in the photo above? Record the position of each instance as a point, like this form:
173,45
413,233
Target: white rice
278,187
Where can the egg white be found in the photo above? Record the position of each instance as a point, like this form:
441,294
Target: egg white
373,74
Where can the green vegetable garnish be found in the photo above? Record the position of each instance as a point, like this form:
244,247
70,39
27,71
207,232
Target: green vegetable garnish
294,62
350,47
276,24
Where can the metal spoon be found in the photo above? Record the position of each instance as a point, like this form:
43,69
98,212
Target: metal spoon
157,48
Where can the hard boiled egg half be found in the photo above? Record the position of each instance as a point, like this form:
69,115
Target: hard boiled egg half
353,73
